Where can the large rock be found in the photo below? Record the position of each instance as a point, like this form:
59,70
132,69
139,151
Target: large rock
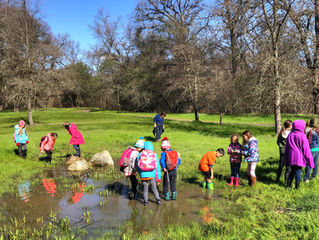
79,165
72,159
102,159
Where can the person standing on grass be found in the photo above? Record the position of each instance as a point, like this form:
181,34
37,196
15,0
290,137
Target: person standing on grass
76,137
297,152
150,172
170,159
21,138
251,155
235,156
281,142
47,144
127,164
313,138
159,125
206,165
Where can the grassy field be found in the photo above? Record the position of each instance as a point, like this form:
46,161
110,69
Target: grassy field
267,211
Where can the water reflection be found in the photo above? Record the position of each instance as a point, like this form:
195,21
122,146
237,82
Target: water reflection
49,186
24,191
77,193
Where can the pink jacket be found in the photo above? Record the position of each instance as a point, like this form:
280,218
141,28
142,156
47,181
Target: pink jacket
47,143
76,136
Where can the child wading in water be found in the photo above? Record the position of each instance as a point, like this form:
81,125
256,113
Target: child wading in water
127,164
76,137
47,144
206,166
21,138
170,159
251,155
235,155
281,142
297,154
150,172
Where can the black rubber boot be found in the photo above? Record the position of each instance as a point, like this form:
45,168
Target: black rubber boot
297,184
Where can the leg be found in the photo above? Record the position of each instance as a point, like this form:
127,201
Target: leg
291,175
165,186
145,192
308,171
280,166
49,156
20,149
298,176
288,170
155,191
172,180
78,150
252,173
315,156
134,183
232,170
237,170
248,173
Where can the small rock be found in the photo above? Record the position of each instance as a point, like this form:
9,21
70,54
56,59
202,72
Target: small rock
102,159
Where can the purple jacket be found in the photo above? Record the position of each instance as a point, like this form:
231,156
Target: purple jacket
76,136
297,151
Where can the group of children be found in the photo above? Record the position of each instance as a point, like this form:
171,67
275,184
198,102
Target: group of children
47,142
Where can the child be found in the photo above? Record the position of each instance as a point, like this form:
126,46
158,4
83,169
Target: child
206,166
281,142
313,138
127,164
251,155
170,159
76,137
297,152
21,138
308,127
159,125
47,145
149,169
234,150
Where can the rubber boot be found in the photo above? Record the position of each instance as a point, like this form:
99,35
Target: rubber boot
167,196
297,184
210,186
174,195
237,182
231,181
289,182
253,181
204,184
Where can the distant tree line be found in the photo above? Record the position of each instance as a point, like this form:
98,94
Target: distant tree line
225,57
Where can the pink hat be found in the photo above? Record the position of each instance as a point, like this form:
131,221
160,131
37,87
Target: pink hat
165,144
21,123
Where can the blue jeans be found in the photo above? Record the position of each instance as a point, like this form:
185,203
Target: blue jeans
315,156
158,131
235,167
295,172
78,150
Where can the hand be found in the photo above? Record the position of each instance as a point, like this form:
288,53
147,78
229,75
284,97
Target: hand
42,152
158,183
165,170
18,144
27,142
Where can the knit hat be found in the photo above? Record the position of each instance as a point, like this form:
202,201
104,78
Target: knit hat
21,123
140,143
165,144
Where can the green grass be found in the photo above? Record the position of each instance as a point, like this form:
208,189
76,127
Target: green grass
267,211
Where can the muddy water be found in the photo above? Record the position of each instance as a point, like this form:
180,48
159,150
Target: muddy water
107,204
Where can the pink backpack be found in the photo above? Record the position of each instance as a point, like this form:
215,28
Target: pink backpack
147,161
126,157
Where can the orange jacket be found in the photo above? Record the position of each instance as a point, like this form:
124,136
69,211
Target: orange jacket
207,160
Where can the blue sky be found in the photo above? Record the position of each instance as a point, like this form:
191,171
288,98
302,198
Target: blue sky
74,16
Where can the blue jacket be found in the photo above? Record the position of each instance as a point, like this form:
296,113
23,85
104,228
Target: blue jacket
314,140
20,138
158,120
250,150
163,160
149,174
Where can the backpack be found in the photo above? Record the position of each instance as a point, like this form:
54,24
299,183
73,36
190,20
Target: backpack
43,138
171,159
126,157
147,161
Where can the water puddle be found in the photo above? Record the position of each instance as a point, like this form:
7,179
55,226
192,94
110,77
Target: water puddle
105,205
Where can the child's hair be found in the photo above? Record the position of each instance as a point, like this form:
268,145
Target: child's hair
308,123
163,114
66,125
234,135
221,151
287,124
248,134
54,135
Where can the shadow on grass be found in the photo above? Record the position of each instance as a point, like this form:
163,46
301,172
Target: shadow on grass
149,138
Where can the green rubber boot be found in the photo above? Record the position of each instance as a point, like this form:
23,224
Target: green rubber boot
204,184
167,196
174,195
210,186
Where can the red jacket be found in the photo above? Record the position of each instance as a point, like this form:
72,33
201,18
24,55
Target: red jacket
76,136
47,143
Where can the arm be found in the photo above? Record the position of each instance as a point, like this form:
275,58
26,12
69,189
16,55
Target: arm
212,173
229,149
163,161
158,170
43,144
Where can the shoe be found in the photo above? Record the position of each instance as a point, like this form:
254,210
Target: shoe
174,195
146,203
237,182
297,184
158,201
167,196
204,184
231,181
306,180
210,186
253,181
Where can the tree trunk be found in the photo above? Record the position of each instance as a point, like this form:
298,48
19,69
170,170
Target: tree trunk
315,91
196,112
30,117
277,92
221,115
